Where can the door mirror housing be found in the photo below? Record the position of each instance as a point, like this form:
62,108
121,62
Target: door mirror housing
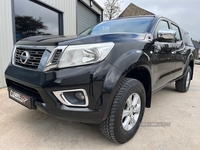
166,34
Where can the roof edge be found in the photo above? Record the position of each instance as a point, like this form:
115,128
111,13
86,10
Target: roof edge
137,7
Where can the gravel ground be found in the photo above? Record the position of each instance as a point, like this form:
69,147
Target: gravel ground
173,122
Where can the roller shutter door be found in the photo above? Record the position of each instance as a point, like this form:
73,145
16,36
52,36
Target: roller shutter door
85,17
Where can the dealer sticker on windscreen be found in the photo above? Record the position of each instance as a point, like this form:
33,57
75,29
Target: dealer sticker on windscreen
19,97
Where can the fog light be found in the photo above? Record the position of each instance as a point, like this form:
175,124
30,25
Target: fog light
77,97
80,96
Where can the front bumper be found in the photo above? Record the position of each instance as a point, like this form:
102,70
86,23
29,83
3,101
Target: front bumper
42,86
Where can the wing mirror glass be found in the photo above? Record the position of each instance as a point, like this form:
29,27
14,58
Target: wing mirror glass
166,34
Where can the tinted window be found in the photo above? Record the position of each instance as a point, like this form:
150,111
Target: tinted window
186,38
33,19
162,24
137,25
178,36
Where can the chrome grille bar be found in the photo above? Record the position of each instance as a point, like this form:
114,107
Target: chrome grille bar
34,59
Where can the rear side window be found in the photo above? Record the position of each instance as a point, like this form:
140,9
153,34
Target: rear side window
162,24
178,35
186,38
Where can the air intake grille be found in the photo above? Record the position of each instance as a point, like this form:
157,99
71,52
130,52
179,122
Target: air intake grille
56,56
28,58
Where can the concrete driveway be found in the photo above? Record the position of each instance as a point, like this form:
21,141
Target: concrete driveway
173,122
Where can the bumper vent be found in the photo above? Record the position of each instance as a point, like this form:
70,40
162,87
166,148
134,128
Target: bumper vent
28,58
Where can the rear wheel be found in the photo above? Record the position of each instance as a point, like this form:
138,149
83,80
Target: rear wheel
183,84
126,112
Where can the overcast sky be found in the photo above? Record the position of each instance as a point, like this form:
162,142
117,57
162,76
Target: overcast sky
184,12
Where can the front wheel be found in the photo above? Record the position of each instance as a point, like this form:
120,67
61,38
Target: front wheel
183,84
126,112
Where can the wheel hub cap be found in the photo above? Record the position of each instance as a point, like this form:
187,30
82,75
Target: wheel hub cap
131,111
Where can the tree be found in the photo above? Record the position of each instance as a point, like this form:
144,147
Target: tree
28,26
112,9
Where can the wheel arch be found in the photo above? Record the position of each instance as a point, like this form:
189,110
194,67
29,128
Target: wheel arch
130,66
190,62
143,75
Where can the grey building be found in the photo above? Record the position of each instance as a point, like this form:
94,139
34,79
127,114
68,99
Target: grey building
23,18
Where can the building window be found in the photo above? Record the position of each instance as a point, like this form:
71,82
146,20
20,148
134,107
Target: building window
35,18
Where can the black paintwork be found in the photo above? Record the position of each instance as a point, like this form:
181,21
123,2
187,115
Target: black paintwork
140,56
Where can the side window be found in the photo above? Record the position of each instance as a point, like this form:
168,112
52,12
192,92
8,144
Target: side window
178,35
162,24
186,38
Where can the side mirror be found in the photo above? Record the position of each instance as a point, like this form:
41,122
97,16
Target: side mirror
166,34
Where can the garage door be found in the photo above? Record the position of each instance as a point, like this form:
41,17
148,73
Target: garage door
85,17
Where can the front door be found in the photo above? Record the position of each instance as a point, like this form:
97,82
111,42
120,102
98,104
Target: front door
163,58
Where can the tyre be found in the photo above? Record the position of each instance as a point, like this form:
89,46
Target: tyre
183,84
126,112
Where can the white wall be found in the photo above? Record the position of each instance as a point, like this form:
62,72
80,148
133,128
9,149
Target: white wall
6,37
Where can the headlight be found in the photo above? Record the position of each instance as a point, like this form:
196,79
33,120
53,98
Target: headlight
77,55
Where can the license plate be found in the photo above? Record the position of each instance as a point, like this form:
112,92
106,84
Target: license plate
21,98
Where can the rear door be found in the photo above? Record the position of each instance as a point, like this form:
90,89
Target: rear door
180,53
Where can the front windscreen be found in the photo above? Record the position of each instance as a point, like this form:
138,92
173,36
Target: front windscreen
136,25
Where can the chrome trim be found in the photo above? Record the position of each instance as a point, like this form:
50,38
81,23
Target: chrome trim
44,66
41,66
60,96
24,57
13,56
166,34
50,65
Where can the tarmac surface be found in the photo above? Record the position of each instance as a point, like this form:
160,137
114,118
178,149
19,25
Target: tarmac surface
172,123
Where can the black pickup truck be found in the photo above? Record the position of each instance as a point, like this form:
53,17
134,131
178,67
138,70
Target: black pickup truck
104,76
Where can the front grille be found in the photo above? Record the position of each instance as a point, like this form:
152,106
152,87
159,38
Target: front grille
32,62
56,56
